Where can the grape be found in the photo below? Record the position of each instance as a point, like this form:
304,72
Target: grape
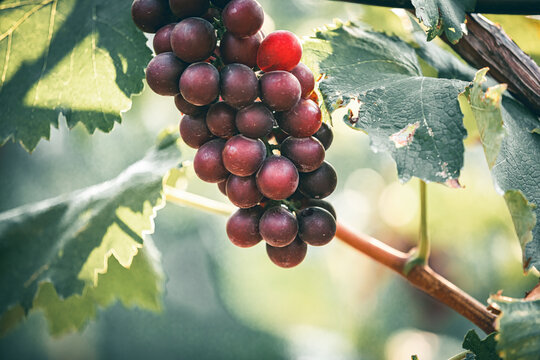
288,256
163,73
208,164
306,79
306,153
194,131
242,191
162,39
303,120
277,178
222,186
199,84
188,8
279,135
278,226
280,50
243,227
325,135
320,183
242,51
193,39
243,17
316,226
186,107
322,204
280,90
150,15
243,156
239,85
220,120
211,14
220,3
255,121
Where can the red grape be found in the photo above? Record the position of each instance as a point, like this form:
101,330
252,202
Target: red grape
193,39
280,90
162,39
239,85
255,121
199,83
243,17
243,227
316,226
242,191
220,3
208,164
193,131
288,256
186,107
320,183
277,178
189,8
280,50
306,153
322,204
278,226
306,78
303,120
240,50
150,15
222,186
163,73
220,120
243,156
325,135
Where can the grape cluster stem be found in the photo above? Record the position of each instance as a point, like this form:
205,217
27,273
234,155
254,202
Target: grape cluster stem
421,275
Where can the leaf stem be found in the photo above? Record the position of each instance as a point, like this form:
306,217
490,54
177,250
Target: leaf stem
184,198
460,356
424,244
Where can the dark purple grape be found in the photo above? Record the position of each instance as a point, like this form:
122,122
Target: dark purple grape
193,130
280,90
306,79
255,121
243,227
199,84
288,256
325,135
316,226
220,3
239,85
243,191
220,120
306,153
303,120
243,17
150,15
193,39
186,107
208,164
189,8
279,135
241,51
320,203
163,73
320,183
162,39
222,186
278,226
243,156
277,178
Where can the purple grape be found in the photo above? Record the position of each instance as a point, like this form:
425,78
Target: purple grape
306,153
320,183
255,121
199,84
243,227
193,39
306,79
316,226
186,107
220,3
243,191
222,186
277,178
239,85
241,51
220,120
208,164
150,15
193,131
243,156
302,120
325,135
288,256
320,203
243,17
189,8
280,90
163,73
278,226
162,39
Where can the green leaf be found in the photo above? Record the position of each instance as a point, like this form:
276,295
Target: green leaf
68,240
416,119
82,59
519,328
446,16
141,285
512,153
482,349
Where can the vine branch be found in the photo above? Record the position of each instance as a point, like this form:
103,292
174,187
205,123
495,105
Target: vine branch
421,276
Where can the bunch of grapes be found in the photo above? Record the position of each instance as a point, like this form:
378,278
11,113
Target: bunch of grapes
250,109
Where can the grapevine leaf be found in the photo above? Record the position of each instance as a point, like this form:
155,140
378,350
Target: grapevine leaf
82,59
482,349
446,16
512,152
67,240
416,119
519,328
